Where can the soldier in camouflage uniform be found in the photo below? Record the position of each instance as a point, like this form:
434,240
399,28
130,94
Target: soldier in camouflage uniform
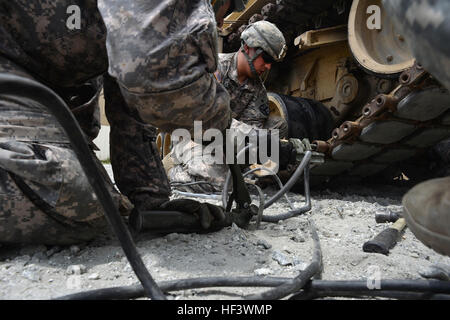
240,73
161,54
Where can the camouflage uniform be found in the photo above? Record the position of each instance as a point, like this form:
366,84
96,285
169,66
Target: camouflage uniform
136,164
198,166
250,107
161,54
170,83
248,101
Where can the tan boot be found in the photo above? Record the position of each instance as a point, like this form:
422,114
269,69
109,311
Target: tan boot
426,208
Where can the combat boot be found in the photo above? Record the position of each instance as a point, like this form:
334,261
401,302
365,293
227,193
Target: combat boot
426,208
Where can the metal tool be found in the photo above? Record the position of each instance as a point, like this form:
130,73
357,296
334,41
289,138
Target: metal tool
382,217
386,239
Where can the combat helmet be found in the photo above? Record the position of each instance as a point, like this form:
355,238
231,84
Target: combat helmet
267,39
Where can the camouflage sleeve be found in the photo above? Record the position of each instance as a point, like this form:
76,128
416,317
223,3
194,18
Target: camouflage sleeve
257,111
222,66
159,45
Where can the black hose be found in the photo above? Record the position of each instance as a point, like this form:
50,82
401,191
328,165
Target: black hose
435,286
274,175
396,289
136,291
303,167
15,85
399,295
33,90
292,213
297,174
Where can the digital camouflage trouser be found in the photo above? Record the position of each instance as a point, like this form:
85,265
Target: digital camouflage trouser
137,167
45,196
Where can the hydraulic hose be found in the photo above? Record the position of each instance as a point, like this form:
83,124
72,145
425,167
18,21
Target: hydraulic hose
277,179
396,289
302,168
16,85
297,174
292,213
11,84
301,287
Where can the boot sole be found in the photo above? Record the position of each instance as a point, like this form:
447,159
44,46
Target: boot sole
433,240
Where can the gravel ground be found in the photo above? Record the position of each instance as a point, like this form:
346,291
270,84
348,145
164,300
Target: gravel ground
344,219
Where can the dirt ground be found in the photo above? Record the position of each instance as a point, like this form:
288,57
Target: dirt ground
344,218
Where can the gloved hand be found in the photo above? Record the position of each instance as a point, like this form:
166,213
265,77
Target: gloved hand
205,212
287,154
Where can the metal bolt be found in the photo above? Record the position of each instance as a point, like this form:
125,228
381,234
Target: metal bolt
335,133
347,89
380,101
404,78
383,86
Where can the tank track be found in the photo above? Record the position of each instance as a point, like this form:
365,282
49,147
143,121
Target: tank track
393,128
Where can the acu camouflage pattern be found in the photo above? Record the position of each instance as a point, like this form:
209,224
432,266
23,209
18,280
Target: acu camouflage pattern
199,166
33,147
36,44
137,167
163,54
250,109
34,35
265,35
50,169
248,101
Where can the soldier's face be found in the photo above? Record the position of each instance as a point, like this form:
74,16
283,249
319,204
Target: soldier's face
259,63
220,14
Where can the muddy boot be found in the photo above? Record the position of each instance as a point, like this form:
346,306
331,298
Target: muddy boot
426,208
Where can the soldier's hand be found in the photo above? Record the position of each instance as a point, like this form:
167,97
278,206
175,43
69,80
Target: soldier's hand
206,212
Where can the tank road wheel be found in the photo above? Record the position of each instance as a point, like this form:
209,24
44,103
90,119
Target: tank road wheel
374,42
306,118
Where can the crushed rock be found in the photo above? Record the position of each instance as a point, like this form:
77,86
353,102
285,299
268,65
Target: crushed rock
279,250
